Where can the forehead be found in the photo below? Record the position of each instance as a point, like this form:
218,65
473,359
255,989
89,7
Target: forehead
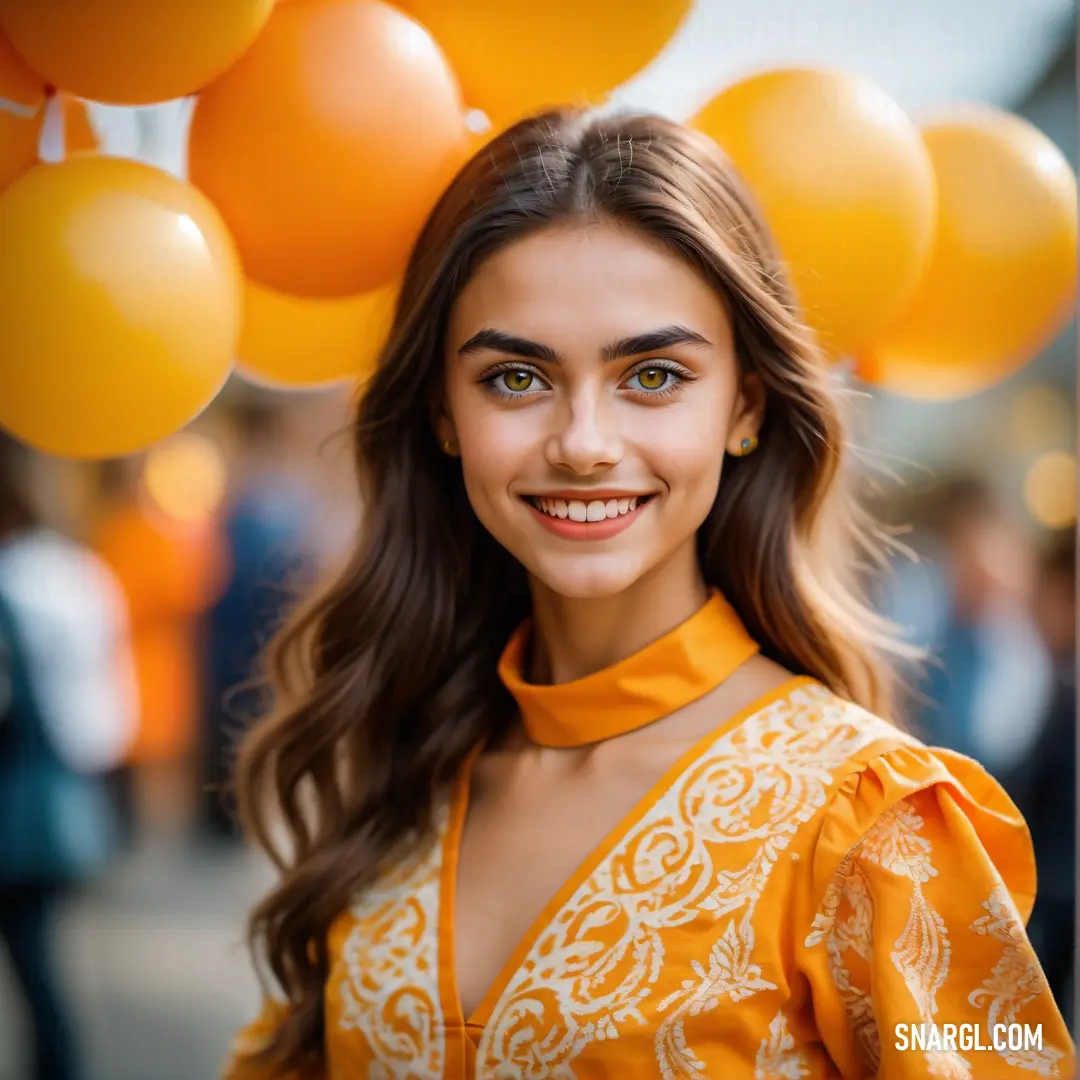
586,284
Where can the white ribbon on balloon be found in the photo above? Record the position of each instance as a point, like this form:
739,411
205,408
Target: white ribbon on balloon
51,145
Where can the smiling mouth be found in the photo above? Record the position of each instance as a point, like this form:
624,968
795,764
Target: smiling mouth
592,511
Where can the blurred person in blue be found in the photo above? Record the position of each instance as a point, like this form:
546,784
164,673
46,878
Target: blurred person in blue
68,711
267,545
984,688
1045,785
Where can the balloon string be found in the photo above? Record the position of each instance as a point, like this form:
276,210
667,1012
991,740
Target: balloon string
19,108
51,145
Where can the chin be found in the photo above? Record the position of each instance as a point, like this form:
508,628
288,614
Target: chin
586,577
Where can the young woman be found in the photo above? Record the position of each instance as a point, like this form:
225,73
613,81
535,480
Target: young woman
584,762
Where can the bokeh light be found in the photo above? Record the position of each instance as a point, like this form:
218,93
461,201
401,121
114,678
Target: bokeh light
1050,489
1040,417
185,478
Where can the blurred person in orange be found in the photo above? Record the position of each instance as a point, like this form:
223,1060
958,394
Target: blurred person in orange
171,570
1045,783
585,764
68,713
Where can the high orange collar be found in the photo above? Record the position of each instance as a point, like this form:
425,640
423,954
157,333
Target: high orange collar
676,669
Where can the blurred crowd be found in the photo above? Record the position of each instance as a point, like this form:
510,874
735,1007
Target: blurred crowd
135,600
134,607
994,612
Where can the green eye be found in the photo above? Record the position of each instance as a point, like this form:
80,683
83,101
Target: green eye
652,378
517,381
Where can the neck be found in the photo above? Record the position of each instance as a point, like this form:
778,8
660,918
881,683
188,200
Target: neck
575,637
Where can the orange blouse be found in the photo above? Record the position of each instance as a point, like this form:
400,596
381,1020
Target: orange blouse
799,893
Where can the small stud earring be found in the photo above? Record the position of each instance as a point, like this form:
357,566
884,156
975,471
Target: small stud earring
448,447
748,445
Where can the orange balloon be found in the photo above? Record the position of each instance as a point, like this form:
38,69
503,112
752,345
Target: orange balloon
291,342
22,100
328,144
120,306
846,185
19,85
19,138
517,56
132,52
1002,281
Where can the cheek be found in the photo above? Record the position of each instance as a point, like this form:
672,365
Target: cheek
685,449
496,443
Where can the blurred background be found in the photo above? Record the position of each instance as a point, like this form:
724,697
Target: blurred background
157,577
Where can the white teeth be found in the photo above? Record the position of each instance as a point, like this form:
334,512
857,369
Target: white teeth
579,510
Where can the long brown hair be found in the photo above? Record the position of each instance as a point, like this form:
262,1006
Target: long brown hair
387,680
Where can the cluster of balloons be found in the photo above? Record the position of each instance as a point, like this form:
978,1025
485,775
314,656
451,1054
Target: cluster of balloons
324,131
939,258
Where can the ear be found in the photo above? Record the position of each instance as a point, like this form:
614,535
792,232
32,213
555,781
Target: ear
446,432
442,422
748,412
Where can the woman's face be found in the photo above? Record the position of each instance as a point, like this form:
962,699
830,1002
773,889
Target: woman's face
592,391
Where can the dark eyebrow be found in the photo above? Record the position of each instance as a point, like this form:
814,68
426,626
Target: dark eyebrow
654,341
649,341
500,341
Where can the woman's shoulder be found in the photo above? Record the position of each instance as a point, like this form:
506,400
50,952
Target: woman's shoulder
852,767
880,792
800,723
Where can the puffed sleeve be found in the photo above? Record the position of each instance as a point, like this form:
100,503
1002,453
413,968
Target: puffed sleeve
912,932
250,1041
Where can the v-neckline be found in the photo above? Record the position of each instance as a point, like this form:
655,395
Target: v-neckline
453,1007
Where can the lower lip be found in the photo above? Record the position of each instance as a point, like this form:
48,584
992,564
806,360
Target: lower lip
587,530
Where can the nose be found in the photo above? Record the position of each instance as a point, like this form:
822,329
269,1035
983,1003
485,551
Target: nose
585,436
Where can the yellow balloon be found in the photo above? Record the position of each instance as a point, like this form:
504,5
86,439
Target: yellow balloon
294,342
1002,280
516,56
120,306
846,185
132,52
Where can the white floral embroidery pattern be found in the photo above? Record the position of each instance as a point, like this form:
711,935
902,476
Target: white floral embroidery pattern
390,992
778,1058
947,1064
1015,980
758,782
854,934
921,953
